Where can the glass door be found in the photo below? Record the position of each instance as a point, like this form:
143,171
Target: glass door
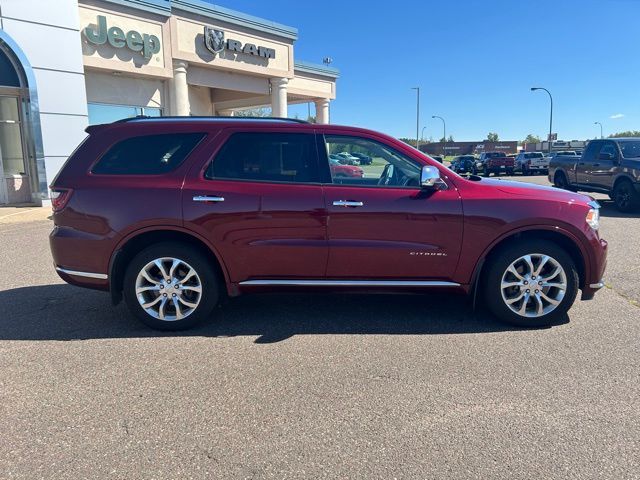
12,164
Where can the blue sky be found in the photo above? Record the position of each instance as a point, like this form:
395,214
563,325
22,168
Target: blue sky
474,61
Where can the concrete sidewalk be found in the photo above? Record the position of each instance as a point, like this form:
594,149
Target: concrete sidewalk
23,214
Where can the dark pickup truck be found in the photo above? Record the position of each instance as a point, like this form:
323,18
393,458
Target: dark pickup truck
495,162
609,166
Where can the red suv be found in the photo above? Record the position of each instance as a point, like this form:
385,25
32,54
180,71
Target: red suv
173,213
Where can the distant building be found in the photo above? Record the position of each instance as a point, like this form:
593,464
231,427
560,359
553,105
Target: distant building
468,148
556,145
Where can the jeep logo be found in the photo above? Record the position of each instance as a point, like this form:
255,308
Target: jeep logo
115,36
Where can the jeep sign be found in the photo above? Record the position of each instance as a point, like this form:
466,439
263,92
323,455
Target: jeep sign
115,36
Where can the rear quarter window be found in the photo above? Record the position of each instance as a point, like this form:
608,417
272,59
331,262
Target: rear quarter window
147,154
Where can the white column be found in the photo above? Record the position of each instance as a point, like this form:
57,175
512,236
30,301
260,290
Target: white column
279,97
322,110
180,95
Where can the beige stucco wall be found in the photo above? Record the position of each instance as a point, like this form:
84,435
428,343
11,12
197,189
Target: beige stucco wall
122,59
311,85
188,44
228,80
200,100
121,90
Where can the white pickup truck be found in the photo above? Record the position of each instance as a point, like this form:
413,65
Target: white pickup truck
529,163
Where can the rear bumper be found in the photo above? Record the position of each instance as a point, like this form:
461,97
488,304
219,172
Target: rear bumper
77,259
95,281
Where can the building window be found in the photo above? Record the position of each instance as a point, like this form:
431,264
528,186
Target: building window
105,113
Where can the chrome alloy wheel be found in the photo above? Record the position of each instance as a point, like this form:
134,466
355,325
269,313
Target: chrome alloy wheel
534,285
168,289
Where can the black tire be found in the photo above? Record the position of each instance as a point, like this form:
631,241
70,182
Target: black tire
486,173
625,196
510,172
560,181
496,267
210,284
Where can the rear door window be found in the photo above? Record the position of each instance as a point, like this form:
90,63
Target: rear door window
267,157
147,154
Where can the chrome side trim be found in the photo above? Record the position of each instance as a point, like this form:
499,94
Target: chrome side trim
348,203
207,198
351,283
600,284
99,276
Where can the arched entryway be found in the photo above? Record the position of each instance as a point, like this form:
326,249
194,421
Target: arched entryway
15,181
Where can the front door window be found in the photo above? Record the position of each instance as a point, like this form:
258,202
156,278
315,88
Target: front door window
361,161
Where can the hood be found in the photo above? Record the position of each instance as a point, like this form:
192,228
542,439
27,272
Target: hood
535,191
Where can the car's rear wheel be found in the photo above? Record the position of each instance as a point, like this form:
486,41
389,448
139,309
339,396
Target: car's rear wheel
170,286
531,284
625,196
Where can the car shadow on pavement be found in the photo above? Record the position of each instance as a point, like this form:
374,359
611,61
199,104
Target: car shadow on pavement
63,312
609,209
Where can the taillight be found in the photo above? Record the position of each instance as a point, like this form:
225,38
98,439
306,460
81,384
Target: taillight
59,198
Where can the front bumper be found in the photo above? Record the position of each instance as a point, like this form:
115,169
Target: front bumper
595,281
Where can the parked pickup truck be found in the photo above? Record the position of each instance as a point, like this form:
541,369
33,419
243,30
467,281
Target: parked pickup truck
609,166
495,162
531,162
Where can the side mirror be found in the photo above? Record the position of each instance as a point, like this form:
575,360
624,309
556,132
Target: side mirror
606,156
429,177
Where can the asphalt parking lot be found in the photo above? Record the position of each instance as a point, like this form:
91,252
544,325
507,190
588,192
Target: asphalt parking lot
322,386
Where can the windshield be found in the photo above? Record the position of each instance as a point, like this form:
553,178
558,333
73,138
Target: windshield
630,149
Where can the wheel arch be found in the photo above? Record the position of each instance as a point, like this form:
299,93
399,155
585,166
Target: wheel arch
561,237
622,177
137,241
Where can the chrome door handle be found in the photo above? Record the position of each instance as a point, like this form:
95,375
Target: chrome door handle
207,198
347,203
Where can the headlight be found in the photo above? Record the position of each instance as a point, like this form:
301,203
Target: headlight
593,216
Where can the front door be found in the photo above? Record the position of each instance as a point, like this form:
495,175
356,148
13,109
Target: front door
601,170
584,164
382,225
259,202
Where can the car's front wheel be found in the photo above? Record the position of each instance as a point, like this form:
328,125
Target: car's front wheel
170,286
530,284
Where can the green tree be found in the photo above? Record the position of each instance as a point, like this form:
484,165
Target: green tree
409,141
253,112
531,138
628,133
493,137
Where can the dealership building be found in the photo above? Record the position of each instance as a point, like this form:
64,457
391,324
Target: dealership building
66,64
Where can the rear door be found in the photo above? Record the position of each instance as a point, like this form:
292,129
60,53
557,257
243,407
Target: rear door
384,226
259,202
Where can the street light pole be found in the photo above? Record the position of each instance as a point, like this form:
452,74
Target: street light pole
422,133
533,89
598,123
417,89
444,127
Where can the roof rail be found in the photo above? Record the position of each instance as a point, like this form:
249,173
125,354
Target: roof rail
207,117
